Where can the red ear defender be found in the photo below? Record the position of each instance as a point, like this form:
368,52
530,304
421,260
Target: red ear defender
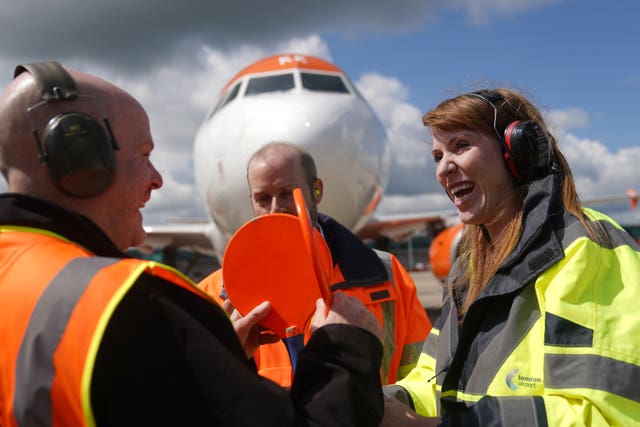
507,151
526,149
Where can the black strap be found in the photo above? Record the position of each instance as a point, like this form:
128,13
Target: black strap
490,96
54,81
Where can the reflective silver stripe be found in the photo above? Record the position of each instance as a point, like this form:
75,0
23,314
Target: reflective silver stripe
564,371
410,356
398,393
386,260
430,346
389,345
388,319
505,342
522,411
34,365
411,353
618,237
525,411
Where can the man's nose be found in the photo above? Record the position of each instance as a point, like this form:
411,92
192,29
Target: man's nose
282,205
277,206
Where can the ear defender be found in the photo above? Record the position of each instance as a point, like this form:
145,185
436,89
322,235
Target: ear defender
525,147
77,149
527,150
78,154
317,192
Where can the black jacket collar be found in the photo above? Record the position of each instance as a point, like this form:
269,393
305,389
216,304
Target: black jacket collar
360,265
21,210
538,247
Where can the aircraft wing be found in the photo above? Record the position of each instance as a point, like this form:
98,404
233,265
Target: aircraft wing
630,195
401,227
190,245
194,235
198,235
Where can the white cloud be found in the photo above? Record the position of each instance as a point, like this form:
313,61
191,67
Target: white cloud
481,12
598,172
411,167
572,118
387,97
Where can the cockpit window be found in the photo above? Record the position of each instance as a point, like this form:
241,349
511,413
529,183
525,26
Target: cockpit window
279,83
323,82
230,96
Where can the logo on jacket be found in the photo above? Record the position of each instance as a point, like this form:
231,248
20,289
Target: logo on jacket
515,381
509,379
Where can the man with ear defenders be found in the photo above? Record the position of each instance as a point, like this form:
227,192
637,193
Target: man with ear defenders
375,277
92,337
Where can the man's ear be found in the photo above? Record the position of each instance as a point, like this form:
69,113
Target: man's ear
317,190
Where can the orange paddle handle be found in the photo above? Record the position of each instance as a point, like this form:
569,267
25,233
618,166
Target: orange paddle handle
312,249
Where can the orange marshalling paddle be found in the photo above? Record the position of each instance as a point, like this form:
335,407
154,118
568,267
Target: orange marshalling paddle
282,259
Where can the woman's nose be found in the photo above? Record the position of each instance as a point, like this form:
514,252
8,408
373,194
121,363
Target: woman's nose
445,167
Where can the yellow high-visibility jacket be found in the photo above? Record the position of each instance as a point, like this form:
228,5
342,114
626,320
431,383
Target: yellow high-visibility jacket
554,339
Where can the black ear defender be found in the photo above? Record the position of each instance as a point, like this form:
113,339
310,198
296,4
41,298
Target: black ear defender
525,147
77,149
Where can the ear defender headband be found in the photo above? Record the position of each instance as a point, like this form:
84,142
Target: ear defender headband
525,147
75,148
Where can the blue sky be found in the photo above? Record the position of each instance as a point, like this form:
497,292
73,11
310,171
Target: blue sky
567,54
577,60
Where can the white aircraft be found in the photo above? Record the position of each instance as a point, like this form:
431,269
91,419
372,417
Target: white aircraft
300,99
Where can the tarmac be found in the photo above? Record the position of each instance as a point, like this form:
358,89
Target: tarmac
429,290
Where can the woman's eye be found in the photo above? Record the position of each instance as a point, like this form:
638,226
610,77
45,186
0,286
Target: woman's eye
462,145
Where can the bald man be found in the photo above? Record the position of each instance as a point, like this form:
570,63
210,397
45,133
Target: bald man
93,337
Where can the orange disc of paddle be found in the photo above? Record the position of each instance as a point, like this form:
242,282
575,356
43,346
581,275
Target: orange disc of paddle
267,260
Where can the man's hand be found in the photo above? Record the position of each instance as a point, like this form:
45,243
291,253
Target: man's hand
346,310
250,334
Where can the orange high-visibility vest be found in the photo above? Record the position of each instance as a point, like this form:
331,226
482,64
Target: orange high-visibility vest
57,300
394,303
